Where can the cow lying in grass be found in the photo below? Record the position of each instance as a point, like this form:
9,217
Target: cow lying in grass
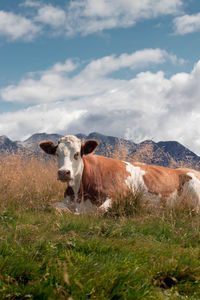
94,181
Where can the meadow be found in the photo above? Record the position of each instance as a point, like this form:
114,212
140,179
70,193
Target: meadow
128,253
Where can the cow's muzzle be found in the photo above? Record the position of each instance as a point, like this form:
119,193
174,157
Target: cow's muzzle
64,175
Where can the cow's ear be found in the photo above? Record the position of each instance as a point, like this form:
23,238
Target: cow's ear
48,147
88,147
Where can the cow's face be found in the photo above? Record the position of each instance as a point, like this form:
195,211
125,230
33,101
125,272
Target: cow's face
69,152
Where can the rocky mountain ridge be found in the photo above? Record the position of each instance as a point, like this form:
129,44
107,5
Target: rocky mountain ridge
165,153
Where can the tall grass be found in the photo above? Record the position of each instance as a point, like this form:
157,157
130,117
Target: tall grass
28,182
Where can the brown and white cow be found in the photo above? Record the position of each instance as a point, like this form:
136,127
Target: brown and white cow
93,180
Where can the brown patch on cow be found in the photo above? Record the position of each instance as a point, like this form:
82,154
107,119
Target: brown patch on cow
70,193
48,146
103,177
81,194
159,180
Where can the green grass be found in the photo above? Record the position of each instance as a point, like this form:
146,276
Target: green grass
48,255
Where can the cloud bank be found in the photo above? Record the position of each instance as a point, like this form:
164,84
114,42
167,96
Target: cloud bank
86,17
89,16
82,17
57,83
73,97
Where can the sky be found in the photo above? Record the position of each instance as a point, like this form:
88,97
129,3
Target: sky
126,68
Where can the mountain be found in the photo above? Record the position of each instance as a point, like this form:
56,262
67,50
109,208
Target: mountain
162,153
31,144
6,145
178,151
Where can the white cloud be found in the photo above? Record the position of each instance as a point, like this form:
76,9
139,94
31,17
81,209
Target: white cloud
187,24
146,106
138,59
41,118
67,67
16,27
51,16
30,3
56,83
89,16
81,16
119,105
149,105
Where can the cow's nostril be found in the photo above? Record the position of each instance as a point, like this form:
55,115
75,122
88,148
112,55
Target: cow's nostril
68,172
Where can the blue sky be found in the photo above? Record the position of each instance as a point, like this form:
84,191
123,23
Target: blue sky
128,68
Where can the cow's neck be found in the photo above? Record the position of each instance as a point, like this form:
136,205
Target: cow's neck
88,185
75,185
91,188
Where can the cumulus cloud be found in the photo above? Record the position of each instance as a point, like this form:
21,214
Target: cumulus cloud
51,16
81,16
57,83
16,27
148,105
30,3
89,16
40,118
187,24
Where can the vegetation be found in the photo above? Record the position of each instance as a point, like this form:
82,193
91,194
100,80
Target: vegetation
129,253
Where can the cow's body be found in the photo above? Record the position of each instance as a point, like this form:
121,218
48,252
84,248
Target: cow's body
97,180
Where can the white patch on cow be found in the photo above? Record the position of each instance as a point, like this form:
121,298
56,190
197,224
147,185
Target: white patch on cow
106,205
135,180
191,190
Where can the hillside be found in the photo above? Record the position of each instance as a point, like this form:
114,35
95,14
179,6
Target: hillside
165,153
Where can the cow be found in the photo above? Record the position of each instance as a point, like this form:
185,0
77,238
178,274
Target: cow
93,181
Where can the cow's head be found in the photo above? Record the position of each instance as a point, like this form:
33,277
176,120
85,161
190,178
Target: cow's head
69,152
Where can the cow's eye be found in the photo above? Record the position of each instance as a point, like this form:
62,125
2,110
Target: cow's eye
76,155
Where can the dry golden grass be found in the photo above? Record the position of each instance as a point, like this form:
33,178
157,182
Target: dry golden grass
121,152
28,182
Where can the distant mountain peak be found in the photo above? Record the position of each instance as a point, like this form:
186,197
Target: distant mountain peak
4,137
42,135
159,153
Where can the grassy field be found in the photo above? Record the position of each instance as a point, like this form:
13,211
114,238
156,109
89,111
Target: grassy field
45,254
